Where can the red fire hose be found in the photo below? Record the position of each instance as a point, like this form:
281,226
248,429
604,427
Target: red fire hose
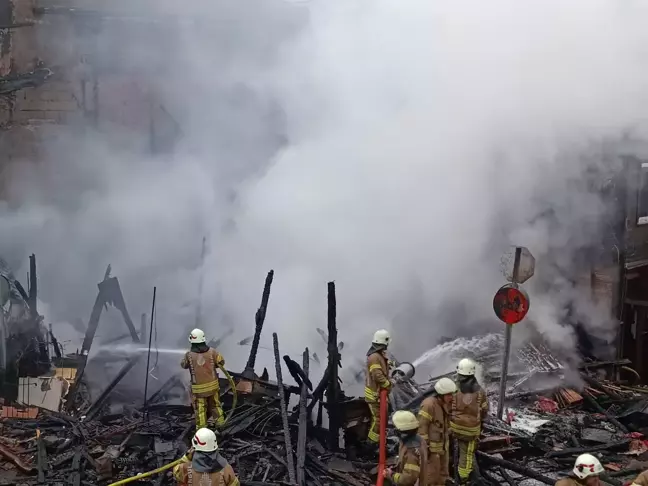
382,451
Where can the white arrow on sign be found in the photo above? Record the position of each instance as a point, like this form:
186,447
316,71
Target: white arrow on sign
527,264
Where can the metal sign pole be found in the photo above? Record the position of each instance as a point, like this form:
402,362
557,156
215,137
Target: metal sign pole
507,340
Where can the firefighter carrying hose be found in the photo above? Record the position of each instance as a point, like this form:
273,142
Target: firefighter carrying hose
585,473
377,378
412,456
206,465
641,480
202,362
469,408
434,428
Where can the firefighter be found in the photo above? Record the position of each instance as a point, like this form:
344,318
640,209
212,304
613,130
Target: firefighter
585,473
641,480
377,378
469,408
412,456
202,362
434,428
205,465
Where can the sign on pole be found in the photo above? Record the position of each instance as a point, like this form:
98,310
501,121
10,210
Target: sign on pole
511,303
526,267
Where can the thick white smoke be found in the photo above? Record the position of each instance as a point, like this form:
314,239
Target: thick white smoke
420,139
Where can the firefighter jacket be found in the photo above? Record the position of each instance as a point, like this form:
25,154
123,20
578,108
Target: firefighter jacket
202,366
434,425
642,479
469,407
412,459
205,469
570,481
377,373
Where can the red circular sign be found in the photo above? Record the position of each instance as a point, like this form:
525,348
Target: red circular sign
511,304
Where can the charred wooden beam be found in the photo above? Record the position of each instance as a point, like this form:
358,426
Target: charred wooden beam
318,393
95,407
303,424
590,399
574,451
41,457
333,392
33,285
284,411
259,319
109,293
7,453
518,468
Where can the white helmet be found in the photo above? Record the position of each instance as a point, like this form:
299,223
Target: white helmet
381,337
197,336
405,420
205,440
445,386
587,465
466,367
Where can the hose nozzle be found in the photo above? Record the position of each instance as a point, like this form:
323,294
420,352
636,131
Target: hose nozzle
403,372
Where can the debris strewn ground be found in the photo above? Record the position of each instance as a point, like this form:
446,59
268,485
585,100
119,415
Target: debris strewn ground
553,413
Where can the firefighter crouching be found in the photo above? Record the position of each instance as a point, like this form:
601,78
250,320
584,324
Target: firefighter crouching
206,465
585,473
377,378
469,407
412,456
641,480
202,362
434,428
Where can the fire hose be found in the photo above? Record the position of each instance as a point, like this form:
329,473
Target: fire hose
382,451
150,473
234,393
183,458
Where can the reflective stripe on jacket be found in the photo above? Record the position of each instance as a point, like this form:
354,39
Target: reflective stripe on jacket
468,408
434,424
377,373
412,460
202,367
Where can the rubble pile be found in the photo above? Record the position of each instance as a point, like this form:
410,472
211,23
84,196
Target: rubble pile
57,449
545,430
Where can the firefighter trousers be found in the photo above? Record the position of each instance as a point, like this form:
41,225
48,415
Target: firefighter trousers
437,468
467,447
206,406
374,428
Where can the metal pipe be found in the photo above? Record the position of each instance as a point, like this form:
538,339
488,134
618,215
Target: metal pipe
507,340
148,357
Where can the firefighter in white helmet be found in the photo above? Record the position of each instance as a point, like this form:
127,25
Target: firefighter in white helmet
377,378
412,456
204,465
641,480
434,428
587,469
203,363
469,408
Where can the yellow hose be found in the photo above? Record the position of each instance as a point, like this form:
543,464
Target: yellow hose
234,393
150,473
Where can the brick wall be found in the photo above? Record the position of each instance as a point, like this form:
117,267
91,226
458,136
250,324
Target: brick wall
80,92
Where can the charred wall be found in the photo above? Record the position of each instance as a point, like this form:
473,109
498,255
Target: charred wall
89,86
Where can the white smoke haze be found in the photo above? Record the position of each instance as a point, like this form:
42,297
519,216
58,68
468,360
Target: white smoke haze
397,148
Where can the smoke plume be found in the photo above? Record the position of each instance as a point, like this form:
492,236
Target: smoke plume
397,148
